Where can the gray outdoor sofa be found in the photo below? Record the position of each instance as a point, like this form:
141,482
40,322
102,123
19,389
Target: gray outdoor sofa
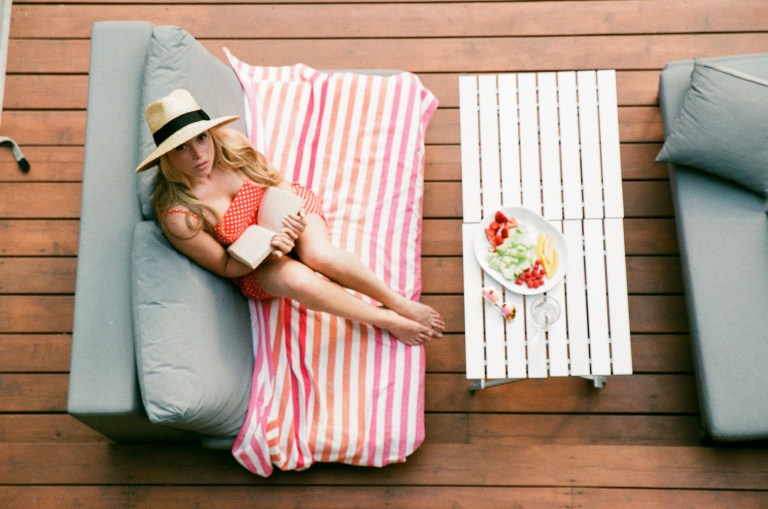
161,349
723,232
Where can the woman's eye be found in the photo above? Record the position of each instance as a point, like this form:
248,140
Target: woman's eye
202,137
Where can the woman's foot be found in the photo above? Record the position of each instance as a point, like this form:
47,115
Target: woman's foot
406,330
423,314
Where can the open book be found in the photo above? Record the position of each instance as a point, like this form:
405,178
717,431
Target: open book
252,247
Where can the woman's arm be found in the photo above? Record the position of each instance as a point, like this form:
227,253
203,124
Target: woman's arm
202,248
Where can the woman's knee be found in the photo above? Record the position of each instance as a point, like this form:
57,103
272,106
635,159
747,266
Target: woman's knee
324,261
286,278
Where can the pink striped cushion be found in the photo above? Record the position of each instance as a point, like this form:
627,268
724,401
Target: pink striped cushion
326,389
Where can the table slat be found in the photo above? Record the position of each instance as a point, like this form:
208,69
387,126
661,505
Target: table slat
470,149
529,141
474,335
609,143
569,146
489,144
616,271
550,147
509,139
517,360
575,299
557,338
590,145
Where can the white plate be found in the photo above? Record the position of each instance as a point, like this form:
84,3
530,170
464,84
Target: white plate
535,224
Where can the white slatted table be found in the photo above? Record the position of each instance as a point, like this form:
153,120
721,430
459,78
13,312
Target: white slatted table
549,142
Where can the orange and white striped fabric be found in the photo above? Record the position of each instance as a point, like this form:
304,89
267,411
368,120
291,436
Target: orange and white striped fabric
327,389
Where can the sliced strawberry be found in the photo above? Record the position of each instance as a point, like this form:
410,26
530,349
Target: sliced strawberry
500,217
504,233
512,223
497,240
490,234
494,225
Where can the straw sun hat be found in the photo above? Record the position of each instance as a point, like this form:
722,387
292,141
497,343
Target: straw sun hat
175,119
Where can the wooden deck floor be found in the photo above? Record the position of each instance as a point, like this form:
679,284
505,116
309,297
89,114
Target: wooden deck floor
545,444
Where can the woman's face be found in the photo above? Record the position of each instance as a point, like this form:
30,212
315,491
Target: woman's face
195,157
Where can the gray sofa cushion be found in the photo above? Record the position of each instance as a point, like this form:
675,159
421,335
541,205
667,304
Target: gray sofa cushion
721,230
721,126
194,352
176,60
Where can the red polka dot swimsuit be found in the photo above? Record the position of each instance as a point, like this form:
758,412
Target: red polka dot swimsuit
242,213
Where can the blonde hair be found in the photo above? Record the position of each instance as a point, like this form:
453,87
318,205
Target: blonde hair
232,152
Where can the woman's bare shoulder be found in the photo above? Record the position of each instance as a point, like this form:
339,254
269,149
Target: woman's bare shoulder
180,222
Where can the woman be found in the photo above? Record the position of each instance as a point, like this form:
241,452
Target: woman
208,191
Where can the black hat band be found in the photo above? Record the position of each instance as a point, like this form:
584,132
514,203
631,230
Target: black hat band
177,123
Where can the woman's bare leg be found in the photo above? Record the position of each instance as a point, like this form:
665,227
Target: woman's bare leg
285,277
315,249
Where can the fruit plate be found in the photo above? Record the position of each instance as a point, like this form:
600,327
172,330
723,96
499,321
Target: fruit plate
532,224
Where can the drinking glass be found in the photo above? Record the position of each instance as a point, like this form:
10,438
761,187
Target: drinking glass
544,311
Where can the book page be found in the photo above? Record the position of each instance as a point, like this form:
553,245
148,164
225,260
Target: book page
252,247
275,205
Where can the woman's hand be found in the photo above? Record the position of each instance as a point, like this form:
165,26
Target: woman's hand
294,224
285,240
282,243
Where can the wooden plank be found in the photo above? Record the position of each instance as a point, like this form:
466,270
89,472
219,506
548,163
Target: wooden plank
650,237
657,313
67,128
33,392
32,91
579,429
642,236
651,353
395,19
48,164
637,162
175,497
465,54
643,199
443,162
597,498
538,465
636,394
35,352
37,275
640,393
470,149
39,200
38,237
441,199
36,313
212,497
46,428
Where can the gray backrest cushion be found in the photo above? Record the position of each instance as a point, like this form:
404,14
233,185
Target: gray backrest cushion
192,328
194,352
176,60
720,127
